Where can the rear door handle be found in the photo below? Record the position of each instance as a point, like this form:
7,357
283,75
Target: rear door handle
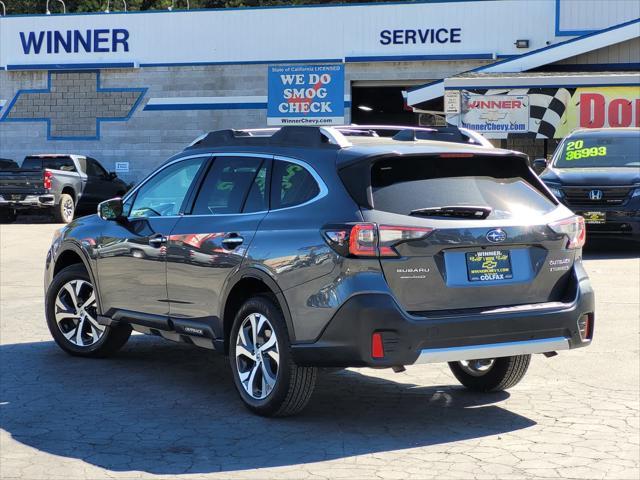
232,241
157,240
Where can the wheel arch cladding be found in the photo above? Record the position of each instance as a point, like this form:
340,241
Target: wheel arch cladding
66,259
241,291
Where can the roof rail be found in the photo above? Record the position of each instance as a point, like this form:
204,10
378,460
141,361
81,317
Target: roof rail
285,136
405,133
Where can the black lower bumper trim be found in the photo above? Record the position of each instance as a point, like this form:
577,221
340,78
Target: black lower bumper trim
346,341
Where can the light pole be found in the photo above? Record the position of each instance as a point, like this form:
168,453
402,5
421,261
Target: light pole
109,2
64,7
4,9
173,2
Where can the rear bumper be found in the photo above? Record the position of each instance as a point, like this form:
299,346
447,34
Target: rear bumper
28,202
408,339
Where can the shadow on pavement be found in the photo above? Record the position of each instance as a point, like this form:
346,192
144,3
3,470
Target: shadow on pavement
165,408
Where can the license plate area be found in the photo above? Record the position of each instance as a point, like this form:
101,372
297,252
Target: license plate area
594,217
489,265
16,197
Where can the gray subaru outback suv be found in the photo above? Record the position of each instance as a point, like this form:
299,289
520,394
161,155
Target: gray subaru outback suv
298,248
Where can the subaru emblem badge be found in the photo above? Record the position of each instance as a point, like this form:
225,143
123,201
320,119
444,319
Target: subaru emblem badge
496,235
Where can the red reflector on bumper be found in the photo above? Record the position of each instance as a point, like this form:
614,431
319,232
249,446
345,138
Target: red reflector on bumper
377,348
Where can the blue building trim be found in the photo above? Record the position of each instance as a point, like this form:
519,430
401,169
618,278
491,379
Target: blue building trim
214,106
205,106
8,108
70,66
539,50
567,33
250,62
413,58
550,85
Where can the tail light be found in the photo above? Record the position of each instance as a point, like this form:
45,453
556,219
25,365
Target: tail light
377,347
585,326
573,228
46,179
371,240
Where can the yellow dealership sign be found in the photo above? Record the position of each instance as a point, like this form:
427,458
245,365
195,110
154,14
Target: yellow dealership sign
598,107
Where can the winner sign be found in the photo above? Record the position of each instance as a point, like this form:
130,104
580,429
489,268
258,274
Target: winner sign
306,95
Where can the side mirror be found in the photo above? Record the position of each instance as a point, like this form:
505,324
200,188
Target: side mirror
112,175
111,209
539,164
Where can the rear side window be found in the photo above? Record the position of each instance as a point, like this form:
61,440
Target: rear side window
54,163
404,185
292,185
230,182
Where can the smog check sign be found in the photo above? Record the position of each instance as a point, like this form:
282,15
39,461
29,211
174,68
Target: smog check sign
306,95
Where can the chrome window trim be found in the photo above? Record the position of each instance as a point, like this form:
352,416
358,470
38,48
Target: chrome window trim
135,189
324,190
152,175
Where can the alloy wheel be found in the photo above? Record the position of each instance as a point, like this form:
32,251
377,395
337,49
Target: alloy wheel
76,313
67,208
257,356
477,368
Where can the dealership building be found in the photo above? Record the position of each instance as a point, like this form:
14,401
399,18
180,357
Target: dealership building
131,89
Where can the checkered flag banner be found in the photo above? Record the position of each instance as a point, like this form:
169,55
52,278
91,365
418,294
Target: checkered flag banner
546,108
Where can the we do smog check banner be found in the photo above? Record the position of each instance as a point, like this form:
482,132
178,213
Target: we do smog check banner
306,95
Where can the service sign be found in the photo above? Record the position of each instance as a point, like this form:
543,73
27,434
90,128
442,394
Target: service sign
494,116
306,95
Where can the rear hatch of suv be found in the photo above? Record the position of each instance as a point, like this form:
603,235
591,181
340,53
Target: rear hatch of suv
458,231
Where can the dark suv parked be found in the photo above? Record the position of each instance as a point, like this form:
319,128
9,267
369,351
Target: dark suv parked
313,247
596,173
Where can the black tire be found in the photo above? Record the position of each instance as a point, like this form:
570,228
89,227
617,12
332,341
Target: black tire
7,216
503,374
111,340
293,385
65,210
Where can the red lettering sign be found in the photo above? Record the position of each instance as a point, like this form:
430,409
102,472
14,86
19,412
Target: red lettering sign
620,112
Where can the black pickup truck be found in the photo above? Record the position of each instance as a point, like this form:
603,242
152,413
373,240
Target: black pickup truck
57,184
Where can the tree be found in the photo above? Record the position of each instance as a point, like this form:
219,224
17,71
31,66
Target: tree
38,6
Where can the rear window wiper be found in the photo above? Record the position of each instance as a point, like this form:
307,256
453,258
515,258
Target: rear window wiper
453,211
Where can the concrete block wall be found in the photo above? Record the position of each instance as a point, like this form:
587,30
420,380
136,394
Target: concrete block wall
148,137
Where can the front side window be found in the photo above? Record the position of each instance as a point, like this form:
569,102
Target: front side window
164,194
292,185
599,151
231,184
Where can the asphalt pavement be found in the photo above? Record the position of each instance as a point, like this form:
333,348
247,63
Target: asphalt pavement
160,409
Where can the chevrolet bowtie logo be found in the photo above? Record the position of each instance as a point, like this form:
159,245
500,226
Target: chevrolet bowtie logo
492,116
73,105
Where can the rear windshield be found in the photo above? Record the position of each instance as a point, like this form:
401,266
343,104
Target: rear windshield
599,151
406,185
54,163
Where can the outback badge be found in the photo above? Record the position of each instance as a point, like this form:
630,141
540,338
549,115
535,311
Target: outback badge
496,235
